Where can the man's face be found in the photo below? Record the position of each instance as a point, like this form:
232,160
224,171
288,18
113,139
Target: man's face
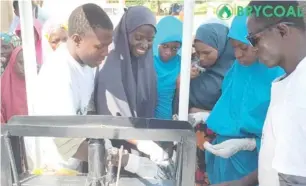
141,40
268,41
246,54
92,47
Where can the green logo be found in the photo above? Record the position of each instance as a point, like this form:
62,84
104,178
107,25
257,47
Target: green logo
224,11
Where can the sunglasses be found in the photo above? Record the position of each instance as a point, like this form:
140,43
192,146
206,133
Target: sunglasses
252,37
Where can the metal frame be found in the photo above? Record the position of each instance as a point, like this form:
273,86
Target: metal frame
112,128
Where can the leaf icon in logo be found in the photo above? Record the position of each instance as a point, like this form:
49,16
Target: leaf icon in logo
224,12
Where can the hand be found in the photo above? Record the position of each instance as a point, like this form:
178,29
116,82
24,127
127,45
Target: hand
113,157
194,72
156,153
197,118
200,136
230,147
175,117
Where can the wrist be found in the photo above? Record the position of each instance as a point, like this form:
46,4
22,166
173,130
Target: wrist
249,145
252,144
250,180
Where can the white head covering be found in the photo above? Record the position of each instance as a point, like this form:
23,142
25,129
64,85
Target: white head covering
51,25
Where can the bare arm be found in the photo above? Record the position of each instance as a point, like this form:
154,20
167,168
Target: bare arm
249,180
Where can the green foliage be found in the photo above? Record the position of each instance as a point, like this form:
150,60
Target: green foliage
135,2
151,5
201,8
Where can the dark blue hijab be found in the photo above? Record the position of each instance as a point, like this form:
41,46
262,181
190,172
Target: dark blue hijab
205,90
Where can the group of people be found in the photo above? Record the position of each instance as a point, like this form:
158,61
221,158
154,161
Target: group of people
246,91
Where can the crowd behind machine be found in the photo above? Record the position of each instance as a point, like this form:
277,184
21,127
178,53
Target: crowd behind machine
247,94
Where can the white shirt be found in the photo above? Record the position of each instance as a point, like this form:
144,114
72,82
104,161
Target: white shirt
283,148
64,87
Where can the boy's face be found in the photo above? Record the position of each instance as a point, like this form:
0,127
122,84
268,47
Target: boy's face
92,47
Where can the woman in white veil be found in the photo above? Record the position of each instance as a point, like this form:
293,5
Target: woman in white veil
54,33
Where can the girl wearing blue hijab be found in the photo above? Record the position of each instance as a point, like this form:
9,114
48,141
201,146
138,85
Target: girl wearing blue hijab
238,117
216,55
167,62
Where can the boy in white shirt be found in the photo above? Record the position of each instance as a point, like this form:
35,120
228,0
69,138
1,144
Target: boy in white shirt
281,41
66,80
65,85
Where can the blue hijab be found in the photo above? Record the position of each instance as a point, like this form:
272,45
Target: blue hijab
169,29
240,112
205,90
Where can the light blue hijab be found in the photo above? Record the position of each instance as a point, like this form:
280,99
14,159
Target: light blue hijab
169,29
240,112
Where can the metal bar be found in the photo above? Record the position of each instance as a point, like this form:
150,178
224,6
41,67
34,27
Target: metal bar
98,127
96,132
30,63
189,161
81,180
8,145
6,174
97,121
179,163
185,64
96,162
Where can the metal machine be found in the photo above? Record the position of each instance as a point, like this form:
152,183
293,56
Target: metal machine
98,128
